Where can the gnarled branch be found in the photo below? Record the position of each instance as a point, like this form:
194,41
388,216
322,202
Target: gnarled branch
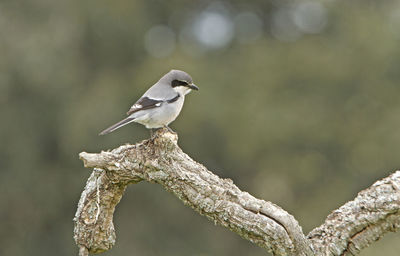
346,231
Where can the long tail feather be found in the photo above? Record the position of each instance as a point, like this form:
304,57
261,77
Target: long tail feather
117,125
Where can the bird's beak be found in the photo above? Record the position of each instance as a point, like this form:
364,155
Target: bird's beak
193,86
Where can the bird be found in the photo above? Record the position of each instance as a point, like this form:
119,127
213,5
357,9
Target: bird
160,104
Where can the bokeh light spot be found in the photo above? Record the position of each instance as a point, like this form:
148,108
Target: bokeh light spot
248,27
160,41
310,17
282,27
214,30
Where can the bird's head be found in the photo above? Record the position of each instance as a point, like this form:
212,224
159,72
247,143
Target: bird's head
180,81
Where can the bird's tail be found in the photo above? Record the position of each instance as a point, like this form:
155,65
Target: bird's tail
117,125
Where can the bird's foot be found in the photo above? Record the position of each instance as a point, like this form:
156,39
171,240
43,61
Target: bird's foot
169,129
162,134
152,133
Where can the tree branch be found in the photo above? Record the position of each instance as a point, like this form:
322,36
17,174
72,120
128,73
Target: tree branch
360,222
159,160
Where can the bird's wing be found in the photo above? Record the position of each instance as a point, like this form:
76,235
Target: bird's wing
144,103
147,103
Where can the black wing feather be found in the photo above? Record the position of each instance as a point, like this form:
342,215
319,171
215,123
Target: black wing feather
144,103
147,103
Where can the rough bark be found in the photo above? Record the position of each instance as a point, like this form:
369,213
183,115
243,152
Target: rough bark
346,230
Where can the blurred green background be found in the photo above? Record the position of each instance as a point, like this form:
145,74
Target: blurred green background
298,104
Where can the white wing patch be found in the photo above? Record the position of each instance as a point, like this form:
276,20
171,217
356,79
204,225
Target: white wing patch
144,103
138,106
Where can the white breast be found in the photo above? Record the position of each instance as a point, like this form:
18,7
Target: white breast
161,116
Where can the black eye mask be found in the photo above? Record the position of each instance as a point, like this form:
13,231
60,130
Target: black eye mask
176,83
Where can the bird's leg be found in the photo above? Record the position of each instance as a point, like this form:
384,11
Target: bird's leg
151,132
169,129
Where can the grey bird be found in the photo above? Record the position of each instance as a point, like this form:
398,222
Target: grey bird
160,104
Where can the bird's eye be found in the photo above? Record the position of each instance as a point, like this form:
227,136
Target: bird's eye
176,83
